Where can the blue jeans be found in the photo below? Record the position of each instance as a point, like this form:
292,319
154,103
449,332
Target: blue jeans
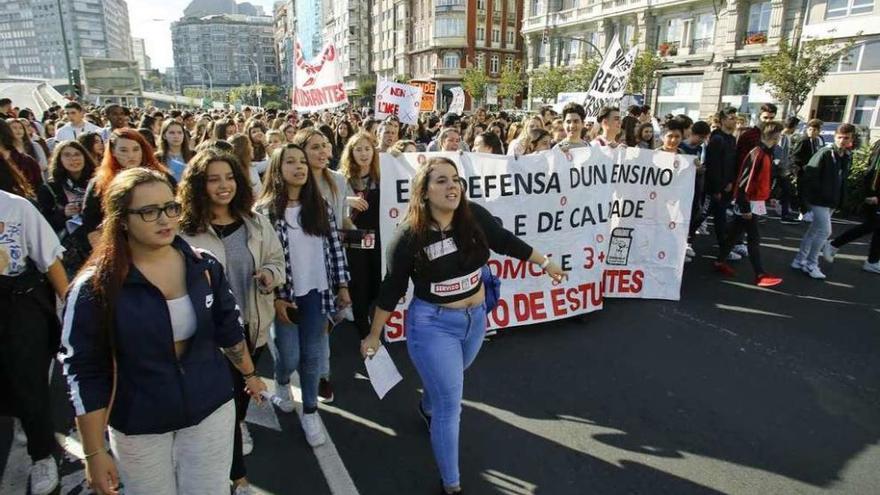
442,343
815,236
300,347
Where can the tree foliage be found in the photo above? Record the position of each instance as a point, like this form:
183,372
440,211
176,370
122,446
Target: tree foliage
474,82
790,75
580,77
644,71
511,82
547,82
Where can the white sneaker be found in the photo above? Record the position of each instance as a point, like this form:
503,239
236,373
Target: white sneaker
797,264
18,432
808,217
741,249
871,267
243,490
311,425
829,251
732,256
283,393
814,272
689,252
44,476
247,442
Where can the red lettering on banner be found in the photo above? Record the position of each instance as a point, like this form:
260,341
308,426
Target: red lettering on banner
389,108
622,281
566,300
396,328
501,314
320,96
511,269
396,92
529,306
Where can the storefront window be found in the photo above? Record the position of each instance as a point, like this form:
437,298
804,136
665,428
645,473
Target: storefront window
831,108
680,94
742,92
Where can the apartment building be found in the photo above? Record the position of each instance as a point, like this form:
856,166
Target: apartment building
437,40
851,91
30,36
710,50
347,26
224,50
309,27
284,16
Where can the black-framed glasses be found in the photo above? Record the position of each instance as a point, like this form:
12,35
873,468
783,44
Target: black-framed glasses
151,213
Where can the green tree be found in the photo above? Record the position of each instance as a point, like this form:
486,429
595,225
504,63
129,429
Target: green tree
474,82
790,74
511,82
644,71
548,82
581,76
193,92
366,87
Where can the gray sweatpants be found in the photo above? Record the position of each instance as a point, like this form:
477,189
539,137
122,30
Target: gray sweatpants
190,461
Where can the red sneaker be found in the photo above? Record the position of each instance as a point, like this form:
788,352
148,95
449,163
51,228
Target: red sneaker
724,269
767,280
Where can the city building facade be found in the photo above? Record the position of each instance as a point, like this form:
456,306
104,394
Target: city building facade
309,26
31,43
139,55
710,51
851,91
224,50
347,26
438,40
284,16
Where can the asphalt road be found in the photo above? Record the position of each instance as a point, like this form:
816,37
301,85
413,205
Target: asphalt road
734,389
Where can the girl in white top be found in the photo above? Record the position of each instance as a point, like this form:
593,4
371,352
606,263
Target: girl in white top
518,146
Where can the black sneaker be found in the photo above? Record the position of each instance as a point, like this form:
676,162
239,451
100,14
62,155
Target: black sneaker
425,416
325,391
789,220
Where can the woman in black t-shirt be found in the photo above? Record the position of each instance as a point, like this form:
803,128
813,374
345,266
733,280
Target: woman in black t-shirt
360,166
442,246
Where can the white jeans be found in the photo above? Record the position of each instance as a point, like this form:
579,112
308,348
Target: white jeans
190,461
816,235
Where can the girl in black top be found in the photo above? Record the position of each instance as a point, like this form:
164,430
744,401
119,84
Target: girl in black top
442,245
360,166
61,200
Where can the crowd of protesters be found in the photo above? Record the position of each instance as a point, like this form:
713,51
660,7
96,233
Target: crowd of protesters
188,244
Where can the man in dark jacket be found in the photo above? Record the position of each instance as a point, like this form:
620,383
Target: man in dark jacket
871,222
721,168
802,150
824,190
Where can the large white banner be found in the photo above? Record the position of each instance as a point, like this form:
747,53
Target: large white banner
318,83
401,100
616,219
610,80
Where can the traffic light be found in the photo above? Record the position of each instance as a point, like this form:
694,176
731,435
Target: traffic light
545,37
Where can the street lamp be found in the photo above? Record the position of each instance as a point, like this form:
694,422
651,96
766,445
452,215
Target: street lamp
257,67
210,79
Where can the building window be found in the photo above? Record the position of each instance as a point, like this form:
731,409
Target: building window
448,27
742,91
704,32
509,62
481,4
759,18
496,35
865,110
836,9
451,60
831,108
493,64
680,94
511,37
862,57
535,7
481,34
481,60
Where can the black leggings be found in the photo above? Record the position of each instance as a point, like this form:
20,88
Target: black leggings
242,399
870,225
735,231
365,266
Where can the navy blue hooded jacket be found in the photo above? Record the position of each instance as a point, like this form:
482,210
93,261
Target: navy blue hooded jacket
155,392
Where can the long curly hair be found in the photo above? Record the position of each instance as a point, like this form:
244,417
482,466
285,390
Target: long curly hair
193,191
110,166
469,237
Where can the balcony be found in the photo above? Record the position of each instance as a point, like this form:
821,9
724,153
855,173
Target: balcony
447,72
668,48
755,37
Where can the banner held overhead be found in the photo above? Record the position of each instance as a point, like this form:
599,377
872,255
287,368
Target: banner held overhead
319,83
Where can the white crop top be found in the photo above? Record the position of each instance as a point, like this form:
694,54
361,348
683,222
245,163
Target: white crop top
183,318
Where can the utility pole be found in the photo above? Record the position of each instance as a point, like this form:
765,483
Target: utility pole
64,43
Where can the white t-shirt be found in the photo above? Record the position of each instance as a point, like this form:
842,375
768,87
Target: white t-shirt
306,255
68,132
24,233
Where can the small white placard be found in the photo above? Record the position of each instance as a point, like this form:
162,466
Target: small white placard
382,371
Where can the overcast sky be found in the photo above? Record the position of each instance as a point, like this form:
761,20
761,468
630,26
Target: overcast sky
151,20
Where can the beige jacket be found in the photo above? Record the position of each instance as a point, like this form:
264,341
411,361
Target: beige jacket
266,250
